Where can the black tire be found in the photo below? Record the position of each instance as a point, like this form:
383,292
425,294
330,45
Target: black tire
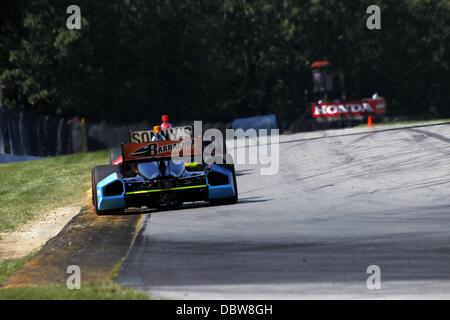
114,153
98,174
230,164
234,199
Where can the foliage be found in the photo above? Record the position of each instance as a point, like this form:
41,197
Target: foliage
218,59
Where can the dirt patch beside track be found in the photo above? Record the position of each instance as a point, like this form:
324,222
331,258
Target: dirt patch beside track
35,234
94,243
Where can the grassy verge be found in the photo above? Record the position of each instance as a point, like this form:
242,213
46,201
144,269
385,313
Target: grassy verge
32,187
7,267
29,188
93,291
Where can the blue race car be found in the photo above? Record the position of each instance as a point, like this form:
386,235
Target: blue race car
149,177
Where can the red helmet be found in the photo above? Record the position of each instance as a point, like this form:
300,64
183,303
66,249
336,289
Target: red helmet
165,118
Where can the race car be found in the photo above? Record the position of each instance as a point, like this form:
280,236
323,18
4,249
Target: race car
149,176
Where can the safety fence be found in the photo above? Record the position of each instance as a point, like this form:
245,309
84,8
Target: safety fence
32,134
28,133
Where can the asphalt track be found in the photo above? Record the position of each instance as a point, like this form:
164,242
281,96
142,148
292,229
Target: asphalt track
341,201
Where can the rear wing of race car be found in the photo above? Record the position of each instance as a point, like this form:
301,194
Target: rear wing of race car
161,150
175,133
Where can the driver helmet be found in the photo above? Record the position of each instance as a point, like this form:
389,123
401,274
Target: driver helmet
157,129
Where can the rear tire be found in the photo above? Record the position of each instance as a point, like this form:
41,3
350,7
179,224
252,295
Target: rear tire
98,174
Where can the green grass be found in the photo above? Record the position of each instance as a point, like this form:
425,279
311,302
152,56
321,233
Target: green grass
31,187
93,291
7,267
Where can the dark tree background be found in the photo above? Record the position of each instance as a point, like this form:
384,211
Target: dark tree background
219,59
